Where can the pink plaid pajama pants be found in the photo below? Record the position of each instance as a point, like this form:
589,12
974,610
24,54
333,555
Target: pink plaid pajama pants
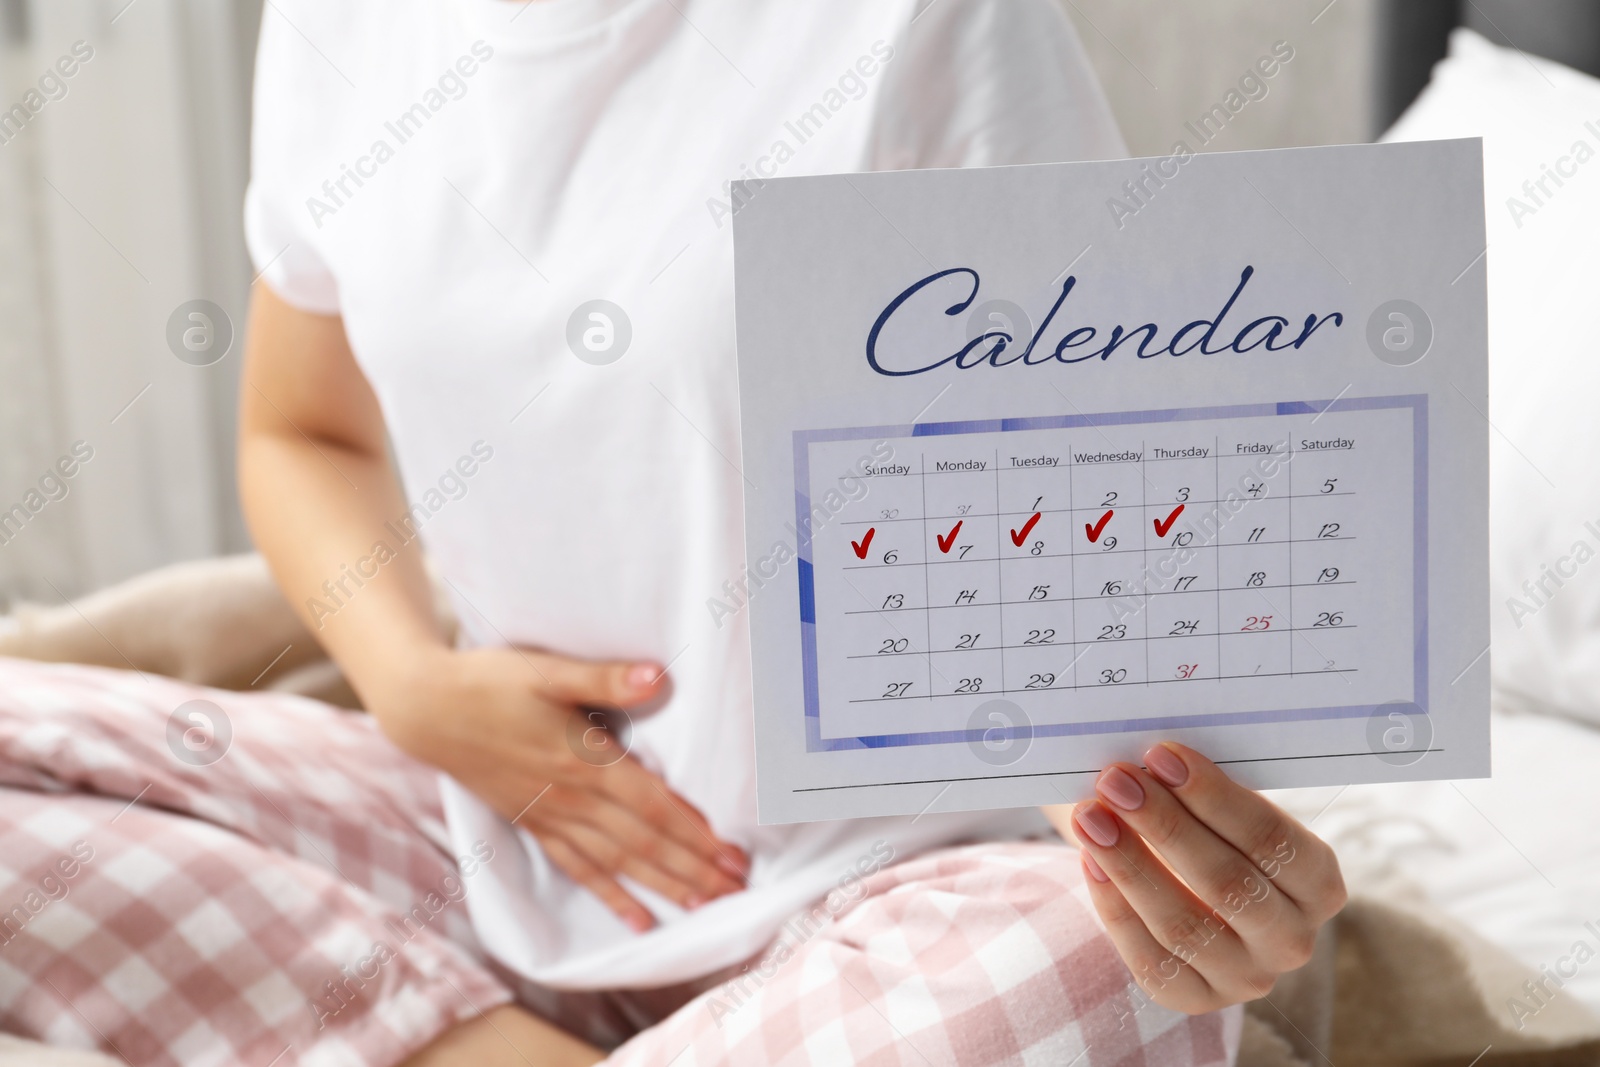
283,893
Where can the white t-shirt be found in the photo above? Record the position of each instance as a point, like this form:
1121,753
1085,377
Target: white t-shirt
456,178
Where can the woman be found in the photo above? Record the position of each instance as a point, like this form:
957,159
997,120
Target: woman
442,190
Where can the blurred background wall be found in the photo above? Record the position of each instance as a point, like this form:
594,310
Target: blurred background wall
119,201
1357,63
120,204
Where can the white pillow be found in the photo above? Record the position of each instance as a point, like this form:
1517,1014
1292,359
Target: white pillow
1539,121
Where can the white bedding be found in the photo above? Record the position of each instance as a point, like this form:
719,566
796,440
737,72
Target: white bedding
1540,124
1516,857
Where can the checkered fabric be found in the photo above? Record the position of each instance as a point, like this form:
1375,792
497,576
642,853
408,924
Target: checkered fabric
261,879
988,954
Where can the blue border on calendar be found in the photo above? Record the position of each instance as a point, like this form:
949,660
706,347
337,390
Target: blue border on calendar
815,742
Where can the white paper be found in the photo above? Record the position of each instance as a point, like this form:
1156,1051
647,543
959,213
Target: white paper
994,543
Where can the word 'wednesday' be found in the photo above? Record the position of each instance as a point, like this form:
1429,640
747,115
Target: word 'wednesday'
989,346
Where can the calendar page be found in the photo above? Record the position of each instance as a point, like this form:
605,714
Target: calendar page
1045,464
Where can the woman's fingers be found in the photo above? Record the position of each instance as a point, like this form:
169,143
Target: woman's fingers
581,870
1299,863
617,840
1207,889
607,856
1183,925
1272,927
644,794
588,682
1159,973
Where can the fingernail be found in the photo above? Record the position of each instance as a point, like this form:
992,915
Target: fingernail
1097,824
643,675
1121,788
695,900
1166,765
638,922
732,869
1093,868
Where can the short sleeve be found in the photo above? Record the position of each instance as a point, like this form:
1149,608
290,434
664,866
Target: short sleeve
976,83
279,230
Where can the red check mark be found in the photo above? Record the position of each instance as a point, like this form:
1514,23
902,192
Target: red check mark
1163,527
948,539
1019,536
1093,529
862,545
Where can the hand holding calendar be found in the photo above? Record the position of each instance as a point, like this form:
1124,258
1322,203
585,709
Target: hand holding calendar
1034,483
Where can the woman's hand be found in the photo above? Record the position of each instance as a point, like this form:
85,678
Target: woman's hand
1208,889
319,490
517,727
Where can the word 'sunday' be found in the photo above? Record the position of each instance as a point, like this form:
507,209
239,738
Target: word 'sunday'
989,346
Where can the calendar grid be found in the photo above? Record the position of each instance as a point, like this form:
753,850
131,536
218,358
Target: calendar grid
1072,571
1048,511
1289,504
999,565
1067,555
1154,681
1064,644
922,477
1144,478
1216,473
1137,539
1159,592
